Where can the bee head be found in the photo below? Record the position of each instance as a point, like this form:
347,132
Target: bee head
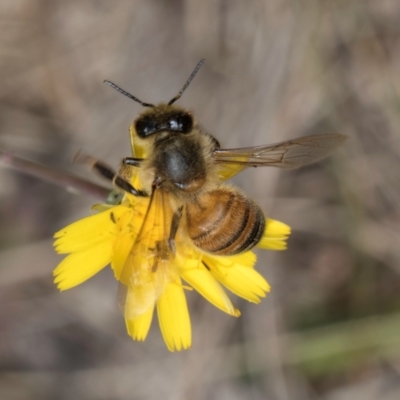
163,118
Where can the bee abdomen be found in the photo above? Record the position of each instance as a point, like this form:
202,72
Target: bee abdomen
224,222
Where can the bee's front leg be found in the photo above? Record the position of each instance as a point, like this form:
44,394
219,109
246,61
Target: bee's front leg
108,173
132,161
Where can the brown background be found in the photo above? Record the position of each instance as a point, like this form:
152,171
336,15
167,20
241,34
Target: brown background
275,70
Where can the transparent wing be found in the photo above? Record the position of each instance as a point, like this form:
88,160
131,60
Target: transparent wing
290,154
149,265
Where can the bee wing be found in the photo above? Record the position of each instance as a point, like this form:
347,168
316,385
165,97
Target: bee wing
148,267
289,154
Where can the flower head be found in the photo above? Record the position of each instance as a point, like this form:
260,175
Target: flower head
108,236
154,274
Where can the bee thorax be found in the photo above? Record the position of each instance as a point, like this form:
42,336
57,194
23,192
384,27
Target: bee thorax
180,161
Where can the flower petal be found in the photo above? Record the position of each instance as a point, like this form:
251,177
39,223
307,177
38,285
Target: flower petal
173,316
88,232
137,150
275,236
247,259
198,276
276,229
243,281
122,246
124,240
273,244
82,265
138,328
140,298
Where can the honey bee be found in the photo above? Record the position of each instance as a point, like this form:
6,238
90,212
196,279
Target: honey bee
182,175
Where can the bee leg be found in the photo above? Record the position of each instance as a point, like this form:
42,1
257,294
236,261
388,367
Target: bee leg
108,173
127,187
174,228
97,166
132,161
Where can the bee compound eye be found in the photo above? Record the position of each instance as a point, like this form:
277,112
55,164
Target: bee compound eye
185,123
173,124
145,127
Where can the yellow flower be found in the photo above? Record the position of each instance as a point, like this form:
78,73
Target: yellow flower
108,237
131,237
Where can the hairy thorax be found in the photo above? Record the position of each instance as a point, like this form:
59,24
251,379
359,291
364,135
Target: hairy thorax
181,164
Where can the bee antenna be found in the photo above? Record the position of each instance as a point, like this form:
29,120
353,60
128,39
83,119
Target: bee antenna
199,64
125,93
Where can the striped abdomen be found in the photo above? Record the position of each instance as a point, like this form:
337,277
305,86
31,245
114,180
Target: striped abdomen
224,222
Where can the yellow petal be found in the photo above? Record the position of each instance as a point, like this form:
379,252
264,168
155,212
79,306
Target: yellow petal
122,246
243,281
248,259
173,316
138,328
137,150
124,240
149,265
88,231
199,277
273,244
80,266
276,228
275,236
141,297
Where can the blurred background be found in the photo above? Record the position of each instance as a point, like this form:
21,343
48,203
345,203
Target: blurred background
275,70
